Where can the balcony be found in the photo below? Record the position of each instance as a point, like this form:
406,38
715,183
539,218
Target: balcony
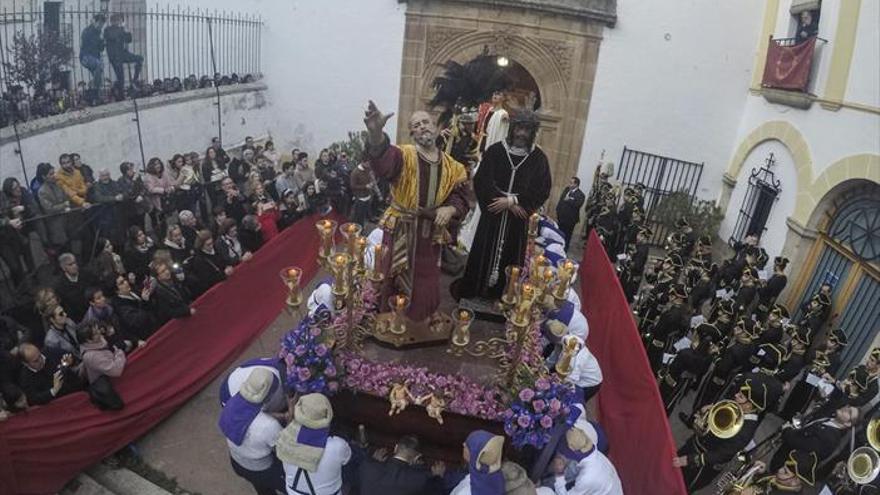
790,71
42,72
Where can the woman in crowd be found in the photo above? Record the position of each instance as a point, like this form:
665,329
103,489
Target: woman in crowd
175,243
250,234
138,253
107,264
160,187
171,299
134,192
61,332
207,266
266,210
213,173
271,153
16,207
135,312
229,245
55,203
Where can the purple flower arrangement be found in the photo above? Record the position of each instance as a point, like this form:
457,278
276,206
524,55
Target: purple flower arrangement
307,351
536,409
466,397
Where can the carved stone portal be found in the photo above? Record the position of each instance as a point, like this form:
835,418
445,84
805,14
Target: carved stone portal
558,45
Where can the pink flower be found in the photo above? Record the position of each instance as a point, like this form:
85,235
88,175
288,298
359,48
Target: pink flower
546,422
321,349
526,394
300,350
330,371
303,374
542,384
555,405
524,421
539,405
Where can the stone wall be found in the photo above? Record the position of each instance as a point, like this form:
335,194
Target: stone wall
106,136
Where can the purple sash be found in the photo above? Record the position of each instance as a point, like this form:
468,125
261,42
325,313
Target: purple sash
313,437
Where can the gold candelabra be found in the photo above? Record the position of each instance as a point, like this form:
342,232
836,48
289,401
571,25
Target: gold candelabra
565,273
326,229
340,264
292,278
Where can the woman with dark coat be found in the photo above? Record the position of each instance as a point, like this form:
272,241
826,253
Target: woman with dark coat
16,207
170,298
135,311
207,266
138,253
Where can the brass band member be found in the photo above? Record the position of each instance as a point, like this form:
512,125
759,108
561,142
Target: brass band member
659,280
685,245
771,288
794,476
693,360
822,361
796,358
704,454
820,436
636,263
671,325
746,293
773,327
767,359
859,388
815,312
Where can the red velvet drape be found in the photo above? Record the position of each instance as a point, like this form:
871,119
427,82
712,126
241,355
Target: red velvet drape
43,448
629,405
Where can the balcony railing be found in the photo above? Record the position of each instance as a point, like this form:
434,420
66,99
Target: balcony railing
41,71
790,70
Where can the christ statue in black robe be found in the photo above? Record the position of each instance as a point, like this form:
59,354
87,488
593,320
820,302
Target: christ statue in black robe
512,182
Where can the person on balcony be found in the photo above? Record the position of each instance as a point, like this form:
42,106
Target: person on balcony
90,48
116,37
808,26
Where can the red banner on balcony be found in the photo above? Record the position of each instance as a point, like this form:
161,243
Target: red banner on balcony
788,66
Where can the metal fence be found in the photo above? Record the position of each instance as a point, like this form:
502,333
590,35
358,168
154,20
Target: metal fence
661,176
182,48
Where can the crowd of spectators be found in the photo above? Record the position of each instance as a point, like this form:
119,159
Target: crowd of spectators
128,254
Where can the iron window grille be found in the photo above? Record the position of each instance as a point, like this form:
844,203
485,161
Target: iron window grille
763,190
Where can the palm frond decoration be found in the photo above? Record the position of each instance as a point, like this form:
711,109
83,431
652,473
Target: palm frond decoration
467,85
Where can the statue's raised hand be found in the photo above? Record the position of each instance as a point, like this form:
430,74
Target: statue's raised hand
375,121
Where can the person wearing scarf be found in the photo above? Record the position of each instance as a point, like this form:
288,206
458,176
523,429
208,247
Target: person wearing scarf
482,453
251,433
580,468
312,458
275,402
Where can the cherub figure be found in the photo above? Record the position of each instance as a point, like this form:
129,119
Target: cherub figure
435,404
399,397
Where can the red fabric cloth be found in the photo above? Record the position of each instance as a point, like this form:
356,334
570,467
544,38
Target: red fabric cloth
43,448
269,224
629,405
788,67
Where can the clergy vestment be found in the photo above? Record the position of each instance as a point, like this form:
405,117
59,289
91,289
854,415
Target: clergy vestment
501,237
412,265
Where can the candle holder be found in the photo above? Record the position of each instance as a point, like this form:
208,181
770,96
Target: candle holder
461,334
534,220
570,348
339,265
292,277
398,305
522,311
350,232
376,274
536,268
326,229
513,273
360,249
565,272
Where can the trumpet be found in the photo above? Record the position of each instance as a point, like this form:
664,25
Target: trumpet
724,420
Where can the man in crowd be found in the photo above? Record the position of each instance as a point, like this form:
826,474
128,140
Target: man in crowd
90,48
72,285
42,379
117,38
568,209
400,474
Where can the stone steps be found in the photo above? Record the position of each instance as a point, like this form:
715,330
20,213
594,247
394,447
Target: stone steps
104,480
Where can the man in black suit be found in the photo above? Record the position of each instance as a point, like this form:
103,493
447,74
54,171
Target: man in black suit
71,286
568,209
43,379
821,436
400,475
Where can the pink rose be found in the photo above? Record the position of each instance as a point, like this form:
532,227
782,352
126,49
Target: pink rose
539,405
555,405
546,422
526,394
542,384
524,421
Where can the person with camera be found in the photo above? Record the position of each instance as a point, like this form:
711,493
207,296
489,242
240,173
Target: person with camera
42,378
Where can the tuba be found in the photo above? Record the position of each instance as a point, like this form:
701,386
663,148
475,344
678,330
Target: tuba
863,465
724,420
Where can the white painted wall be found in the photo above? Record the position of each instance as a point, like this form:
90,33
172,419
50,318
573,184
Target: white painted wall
864,81
785,172
169,129
681,97
323,60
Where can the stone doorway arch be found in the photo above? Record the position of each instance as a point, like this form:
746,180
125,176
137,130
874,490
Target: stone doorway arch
556,42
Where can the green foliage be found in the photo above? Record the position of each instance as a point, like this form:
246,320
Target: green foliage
35,58
704,216
354,146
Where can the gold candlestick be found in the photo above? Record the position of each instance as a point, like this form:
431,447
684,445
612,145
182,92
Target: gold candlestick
376,274
570,347
513,273
292,276
565,271
339,264
537,267
398,305
326,229
461,334
360,248
534,219
522,311
350,232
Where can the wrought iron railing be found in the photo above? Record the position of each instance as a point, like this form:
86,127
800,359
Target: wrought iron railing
41,71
